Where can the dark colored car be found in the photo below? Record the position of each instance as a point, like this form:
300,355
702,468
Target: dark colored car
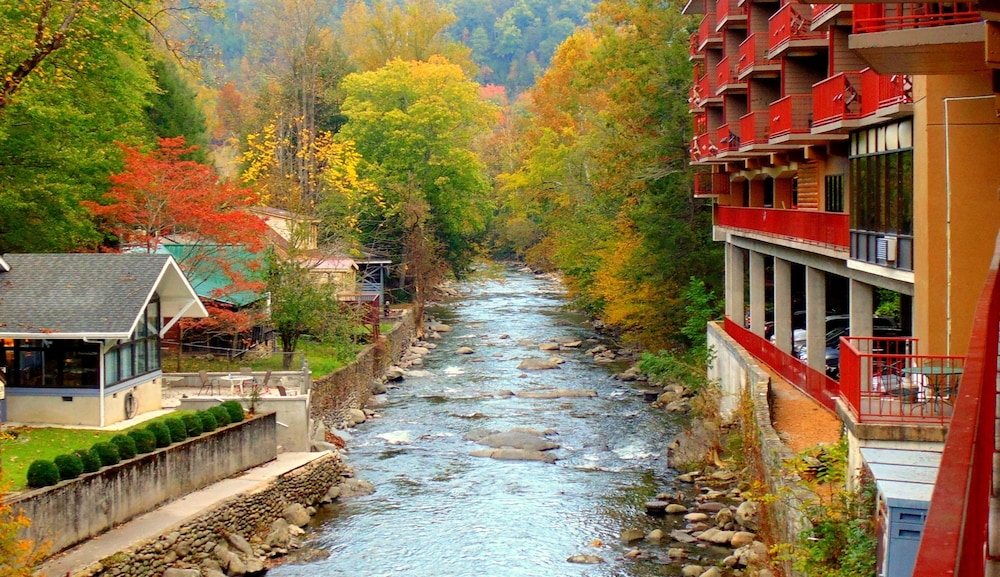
832,360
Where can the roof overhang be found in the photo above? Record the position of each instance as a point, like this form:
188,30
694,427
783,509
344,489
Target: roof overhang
955,49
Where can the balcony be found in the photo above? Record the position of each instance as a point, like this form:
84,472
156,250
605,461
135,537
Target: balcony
837,103
726,79
706,95
710,184
729,141
707,36
754,130
920,38
753,58
703,150
887,96
823,14
790,32
729,14
884,381
693,53
825,229
791,121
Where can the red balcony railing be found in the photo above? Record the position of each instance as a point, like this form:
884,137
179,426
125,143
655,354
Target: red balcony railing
706,31
883,91
819,11
911,15
754,128
700,124
705,148
957,526
811,382
706,88
693,52
809,226
708,184
725,9
753,52
837,98
883,380
791,115
728,141
789,24
725,74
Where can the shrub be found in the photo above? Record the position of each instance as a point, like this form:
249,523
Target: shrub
70,466
221,415
177,428
90,461
235,410
43,473
125,445
192,423
208,422
145,440
161,432
107,453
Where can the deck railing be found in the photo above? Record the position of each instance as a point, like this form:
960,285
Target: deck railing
727,139
789,24
791,115
881,91
693,52
837,98
819,11
726,8
817,385
706,31
725,74
911,15
754,128
703,148
811,226
957,527
884,380
706,87
748,53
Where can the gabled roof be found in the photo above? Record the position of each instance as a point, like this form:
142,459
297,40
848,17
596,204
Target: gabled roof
89,295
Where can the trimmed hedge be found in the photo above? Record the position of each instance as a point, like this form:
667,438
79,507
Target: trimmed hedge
107,453
208,422
221,415
125,445
192,423
70,466
42,473
145,440
235,410
177,428
161,432
90,461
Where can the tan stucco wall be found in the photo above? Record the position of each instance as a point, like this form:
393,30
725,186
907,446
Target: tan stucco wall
84,411
974,145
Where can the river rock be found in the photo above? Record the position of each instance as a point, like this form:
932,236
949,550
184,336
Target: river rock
536,364
721,537
515,455
723,475
355,416
211,572
548,347
229,560
177,572
518,440
675,508
355,488
556,394
724,517
464,351
420,351
585,559
629,535
692,570
278,535
677,553
755,553
656,507
741,538
476,435
681,536
695,517
419,373
571,344
711,506
296,514
439,328
241,545
656,535
688,477
711,572
694,446
747,515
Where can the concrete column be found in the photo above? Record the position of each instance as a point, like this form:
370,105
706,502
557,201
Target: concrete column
734,284
783,305
862,307
757,293
816,318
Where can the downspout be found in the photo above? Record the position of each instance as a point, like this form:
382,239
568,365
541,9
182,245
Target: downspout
100,375
947,210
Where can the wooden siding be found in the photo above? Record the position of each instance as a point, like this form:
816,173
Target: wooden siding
809,185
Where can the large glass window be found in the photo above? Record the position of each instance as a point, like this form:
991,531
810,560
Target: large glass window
50,363
138,355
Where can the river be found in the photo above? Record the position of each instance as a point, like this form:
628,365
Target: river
440,512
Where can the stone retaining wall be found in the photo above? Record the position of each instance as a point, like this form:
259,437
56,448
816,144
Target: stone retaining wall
246,514
743,379
350,386
71,511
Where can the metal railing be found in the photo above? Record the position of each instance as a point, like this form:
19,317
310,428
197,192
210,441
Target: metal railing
882,91
725,9
791,115
728,140
957,527
810,226
791,23
754,128
836,98
911,15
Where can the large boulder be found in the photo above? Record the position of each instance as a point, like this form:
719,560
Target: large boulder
355,416
355,488
439,328
747,515
556,393
278,536
296,514
518,440
535,364
515,455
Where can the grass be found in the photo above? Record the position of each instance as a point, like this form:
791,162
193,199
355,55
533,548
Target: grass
31,444
323,360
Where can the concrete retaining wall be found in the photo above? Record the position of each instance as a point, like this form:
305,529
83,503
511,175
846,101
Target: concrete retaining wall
292,413
246,514
75,510
746,389
350,386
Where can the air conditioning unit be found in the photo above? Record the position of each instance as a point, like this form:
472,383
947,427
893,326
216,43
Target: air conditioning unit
885,249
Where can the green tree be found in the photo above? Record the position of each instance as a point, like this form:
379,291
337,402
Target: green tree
173,109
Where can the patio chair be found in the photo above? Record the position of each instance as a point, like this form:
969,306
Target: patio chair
206,383
267,378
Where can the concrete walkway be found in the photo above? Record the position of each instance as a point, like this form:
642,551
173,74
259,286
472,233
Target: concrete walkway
169,516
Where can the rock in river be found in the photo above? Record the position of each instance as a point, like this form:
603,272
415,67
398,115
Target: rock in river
518,440
535,364
556,393
515,455
587,559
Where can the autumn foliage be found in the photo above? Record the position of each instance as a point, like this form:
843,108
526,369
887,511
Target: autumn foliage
18,556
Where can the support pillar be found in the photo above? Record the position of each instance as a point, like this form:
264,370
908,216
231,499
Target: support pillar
757,283
734,284
783,305
862,307
816,318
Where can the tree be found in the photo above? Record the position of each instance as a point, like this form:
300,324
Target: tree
174,110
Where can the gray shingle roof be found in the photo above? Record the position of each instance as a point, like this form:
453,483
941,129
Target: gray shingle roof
76,293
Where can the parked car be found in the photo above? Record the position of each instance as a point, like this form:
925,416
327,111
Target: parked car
832,360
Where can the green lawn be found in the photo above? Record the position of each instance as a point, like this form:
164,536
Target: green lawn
17,454
323,360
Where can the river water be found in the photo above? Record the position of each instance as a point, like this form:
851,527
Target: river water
440,512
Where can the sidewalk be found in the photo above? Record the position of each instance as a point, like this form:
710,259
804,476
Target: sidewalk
168,516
